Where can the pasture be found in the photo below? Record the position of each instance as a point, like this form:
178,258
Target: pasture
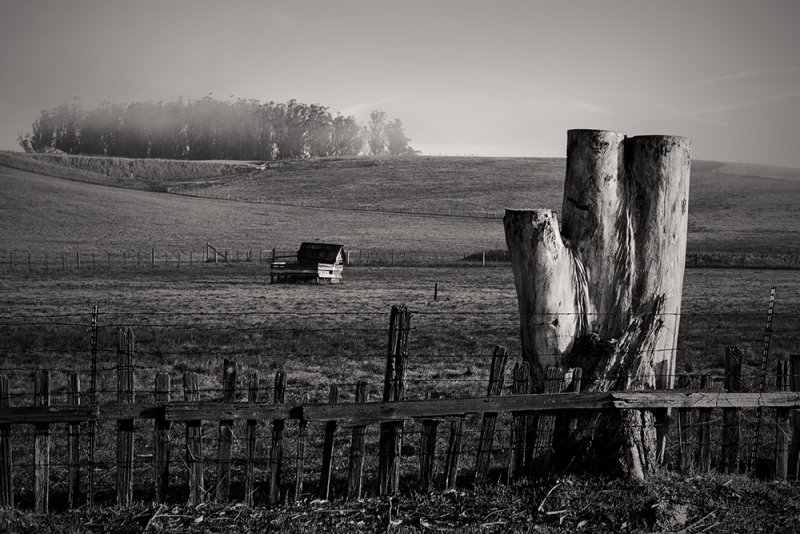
190,318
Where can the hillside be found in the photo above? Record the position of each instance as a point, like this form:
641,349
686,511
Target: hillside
733,207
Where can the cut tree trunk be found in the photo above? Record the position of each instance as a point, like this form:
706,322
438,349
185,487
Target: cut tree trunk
603,291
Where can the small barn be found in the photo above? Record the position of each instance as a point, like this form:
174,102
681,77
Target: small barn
320,263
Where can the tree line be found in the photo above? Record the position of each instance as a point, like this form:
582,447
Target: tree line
212,129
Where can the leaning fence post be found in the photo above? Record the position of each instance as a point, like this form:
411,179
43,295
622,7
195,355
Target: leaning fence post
226,433
276,451
489,422
453,457
74,476
161,444
252,425
356,471
327,448
41,444
6,459
125,427
731,417
194,449
782,436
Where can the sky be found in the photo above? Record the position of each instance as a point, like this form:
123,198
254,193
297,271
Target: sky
465,77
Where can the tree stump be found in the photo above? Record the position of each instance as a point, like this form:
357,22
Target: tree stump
602,291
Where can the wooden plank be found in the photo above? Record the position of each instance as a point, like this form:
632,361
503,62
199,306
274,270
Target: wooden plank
543,446
276,450
194,448
519,422
16,415
427,452
374,412
41,445
703,459
782,422
453,458
327,448
302,430
212,410
252,426
794,455
486,439
685,428
731,417
74,433
125,427
229,372
161,439
356,468
6,458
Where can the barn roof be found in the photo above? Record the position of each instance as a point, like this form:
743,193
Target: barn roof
320,252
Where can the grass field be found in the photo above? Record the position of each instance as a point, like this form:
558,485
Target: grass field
733,207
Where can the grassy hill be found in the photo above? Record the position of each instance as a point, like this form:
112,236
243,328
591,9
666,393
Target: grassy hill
733,207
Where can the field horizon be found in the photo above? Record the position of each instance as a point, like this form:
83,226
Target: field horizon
359,202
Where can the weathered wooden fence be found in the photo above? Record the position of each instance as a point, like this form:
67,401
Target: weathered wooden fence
530,444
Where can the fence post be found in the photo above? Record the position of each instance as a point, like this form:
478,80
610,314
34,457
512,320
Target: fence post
125,427
252,425
685,424
41,444
391,439
782,431
356,471
153,256
161,440
704,431
6,459
78,259
327,448
226,433
453,457
300,465
545,428
74,476
276,451
794,457
489,422
519,421
427,451
731,417
194,448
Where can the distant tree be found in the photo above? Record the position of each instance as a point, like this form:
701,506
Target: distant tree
396,140
376,137
347,138
210,129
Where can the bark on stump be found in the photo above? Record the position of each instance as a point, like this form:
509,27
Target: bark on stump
602,290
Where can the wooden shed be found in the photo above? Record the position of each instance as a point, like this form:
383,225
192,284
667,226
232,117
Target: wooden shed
321,263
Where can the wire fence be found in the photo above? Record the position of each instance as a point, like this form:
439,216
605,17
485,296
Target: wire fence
24,261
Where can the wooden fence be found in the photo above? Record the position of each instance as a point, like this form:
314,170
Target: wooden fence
533,428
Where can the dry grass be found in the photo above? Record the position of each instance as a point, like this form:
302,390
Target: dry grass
733,207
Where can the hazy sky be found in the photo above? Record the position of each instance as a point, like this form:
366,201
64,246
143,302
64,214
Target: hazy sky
495,77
